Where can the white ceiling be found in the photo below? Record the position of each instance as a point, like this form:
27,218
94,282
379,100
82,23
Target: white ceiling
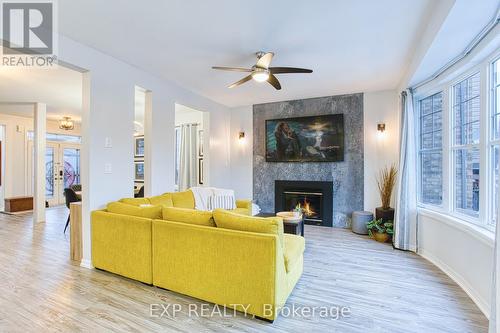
464,22
59,88
352,46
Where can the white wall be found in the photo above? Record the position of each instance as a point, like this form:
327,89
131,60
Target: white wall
187,116
464,252
242,152
2,167
381,149
108,112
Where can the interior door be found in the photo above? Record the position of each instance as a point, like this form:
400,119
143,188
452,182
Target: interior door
70,154
62,170
53,174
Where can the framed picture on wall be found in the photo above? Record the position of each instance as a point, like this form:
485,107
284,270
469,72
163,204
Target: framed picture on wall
305,139
139,171
200,143
139,146
200,171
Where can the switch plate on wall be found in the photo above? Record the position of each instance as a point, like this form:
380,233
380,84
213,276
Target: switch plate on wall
108,142
108,168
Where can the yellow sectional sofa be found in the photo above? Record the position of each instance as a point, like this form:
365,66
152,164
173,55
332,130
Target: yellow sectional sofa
228,258
183,200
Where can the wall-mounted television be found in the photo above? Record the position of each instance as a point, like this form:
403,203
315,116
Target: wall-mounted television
305,139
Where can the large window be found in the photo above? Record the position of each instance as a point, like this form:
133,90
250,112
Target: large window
466,136
431,149
494,144
459,143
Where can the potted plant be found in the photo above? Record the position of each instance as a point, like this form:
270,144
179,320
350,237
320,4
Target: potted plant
380,230
386,181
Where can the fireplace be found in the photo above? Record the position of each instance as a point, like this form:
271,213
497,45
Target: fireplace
314,198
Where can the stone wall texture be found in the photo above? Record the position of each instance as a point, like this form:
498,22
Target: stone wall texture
347,176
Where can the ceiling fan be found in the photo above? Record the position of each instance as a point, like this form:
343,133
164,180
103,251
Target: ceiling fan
261,71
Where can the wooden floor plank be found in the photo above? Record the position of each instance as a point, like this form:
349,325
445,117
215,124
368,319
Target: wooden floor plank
386,290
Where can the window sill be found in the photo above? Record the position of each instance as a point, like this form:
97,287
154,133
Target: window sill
483,234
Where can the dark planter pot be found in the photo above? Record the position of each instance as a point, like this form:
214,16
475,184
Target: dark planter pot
384,214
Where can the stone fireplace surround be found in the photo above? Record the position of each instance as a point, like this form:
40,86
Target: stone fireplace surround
347,177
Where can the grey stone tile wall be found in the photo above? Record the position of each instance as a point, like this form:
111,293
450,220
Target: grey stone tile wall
347,176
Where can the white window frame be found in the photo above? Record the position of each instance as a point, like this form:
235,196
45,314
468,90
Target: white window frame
445,84
458,212
419,148
491,141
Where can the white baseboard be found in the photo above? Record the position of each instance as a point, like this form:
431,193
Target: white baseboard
86,263
481,303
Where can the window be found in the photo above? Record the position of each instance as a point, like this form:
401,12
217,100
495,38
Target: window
466,155
459,143
56,137
494,144
431,149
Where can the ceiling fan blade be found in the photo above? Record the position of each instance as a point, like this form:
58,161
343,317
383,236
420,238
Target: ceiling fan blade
265,60
243,80
274,82
234,69
284,70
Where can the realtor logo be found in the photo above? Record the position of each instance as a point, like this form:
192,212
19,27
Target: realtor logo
28,33
28,27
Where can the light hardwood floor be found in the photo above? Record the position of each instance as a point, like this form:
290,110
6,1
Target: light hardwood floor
386,290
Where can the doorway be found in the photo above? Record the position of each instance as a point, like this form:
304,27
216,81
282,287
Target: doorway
190,151
62,169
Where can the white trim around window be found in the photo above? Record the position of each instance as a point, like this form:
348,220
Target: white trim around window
445,85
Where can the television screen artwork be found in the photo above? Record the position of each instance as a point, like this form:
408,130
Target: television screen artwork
305,139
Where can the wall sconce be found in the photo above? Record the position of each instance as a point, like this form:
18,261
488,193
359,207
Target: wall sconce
241,138
381,127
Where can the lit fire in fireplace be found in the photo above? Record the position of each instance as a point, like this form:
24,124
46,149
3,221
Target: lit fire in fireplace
305,208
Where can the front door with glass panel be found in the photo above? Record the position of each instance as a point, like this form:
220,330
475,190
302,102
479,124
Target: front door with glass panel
62,170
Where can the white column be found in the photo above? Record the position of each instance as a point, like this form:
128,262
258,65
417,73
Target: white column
85,170
160,129
148,127
39,142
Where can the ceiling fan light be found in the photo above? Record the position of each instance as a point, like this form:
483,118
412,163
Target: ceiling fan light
260,76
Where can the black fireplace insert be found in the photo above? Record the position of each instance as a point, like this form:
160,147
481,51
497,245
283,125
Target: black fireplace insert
313,198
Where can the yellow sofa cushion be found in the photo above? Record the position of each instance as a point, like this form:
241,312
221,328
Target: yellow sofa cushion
293,250
151,212
244,207
135,201
187,215
183,199
164,200
267,225
242,211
